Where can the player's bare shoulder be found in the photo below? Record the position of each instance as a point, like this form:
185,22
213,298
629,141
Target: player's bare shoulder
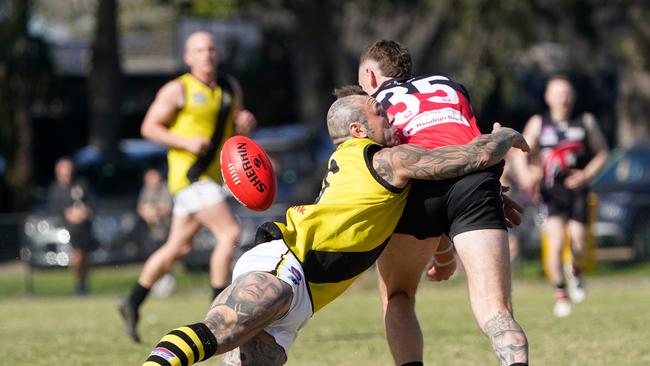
171,94
168,101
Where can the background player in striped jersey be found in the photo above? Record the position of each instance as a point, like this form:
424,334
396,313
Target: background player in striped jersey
301,265
567,152
193,114
432,111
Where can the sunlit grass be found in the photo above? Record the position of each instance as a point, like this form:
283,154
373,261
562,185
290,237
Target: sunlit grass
51,327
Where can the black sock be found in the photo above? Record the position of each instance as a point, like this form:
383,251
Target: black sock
180,346
519,364
137,296
215,292
414,363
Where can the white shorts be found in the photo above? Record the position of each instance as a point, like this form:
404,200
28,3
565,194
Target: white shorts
198,196
265,257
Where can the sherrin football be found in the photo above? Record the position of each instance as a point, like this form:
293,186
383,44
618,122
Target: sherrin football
248,173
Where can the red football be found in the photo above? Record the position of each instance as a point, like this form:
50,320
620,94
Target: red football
248,172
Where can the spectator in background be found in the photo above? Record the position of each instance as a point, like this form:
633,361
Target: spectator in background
154,207
71,198
567,151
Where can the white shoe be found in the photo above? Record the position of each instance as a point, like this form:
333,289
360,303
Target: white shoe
575,286
577,293
562,308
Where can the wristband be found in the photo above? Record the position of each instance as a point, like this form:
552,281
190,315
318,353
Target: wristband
444,263
447,250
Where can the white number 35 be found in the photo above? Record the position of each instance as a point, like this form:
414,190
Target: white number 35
399,94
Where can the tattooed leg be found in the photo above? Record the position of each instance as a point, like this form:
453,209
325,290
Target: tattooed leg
486,259
237,316
260,350
250,303
508,339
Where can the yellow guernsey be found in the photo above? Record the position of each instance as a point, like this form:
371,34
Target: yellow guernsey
343,233
208,112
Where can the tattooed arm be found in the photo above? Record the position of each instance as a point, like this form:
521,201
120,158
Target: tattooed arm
400,163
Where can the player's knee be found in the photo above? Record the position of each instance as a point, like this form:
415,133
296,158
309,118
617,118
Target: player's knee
229,234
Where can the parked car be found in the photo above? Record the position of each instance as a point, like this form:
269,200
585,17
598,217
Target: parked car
116,230
623,192
116,181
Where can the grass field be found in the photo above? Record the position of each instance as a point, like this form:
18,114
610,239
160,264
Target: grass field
52,328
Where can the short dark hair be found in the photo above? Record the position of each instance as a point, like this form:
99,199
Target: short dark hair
346,90
394,60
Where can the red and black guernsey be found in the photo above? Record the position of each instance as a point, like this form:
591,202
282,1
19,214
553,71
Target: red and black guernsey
430,111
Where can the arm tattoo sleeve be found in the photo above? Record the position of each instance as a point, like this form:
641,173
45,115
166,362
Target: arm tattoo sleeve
414,162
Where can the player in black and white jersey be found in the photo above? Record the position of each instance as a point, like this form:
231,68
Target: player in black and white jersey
567,152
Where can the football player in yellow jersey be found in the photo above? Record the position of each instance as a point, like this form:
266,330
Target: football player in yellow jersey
299,266
193,115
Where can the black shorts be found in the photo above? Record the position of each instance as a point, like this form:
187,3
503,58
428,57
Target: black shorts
564,202
454,206
80,235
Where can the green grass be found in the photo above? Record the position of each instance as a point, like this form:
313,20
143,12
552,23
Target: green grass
51,327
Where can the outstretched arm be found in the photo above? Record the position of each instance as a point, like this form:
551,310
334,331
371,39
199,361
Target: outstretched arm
399,164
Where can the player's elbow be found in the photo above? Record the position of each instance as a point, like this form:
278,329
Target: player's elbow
146,130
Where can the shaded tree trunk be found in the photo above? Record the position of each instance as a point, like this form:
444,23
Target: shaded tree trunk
105,81
316,51
21,83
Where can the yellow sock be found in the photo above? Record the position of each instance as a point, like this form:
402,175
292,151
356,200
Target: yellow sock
183,346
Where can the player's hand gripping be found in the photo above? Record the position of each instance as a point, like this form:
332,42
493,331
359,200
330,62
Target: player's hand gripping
512,209
519,142
442,264
245,122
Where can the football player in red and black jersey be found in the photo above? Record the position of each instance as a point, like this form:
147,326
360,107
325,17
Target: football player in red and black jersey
433,111
567,152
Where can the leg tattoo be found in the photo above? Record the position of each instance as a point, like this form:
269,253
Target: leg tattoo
253,301
508,339
257,351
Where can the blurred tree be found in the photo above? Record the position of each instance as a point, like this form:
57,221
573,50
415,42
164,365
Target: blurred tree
624,32
25,73
105,80
209,8
502,50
